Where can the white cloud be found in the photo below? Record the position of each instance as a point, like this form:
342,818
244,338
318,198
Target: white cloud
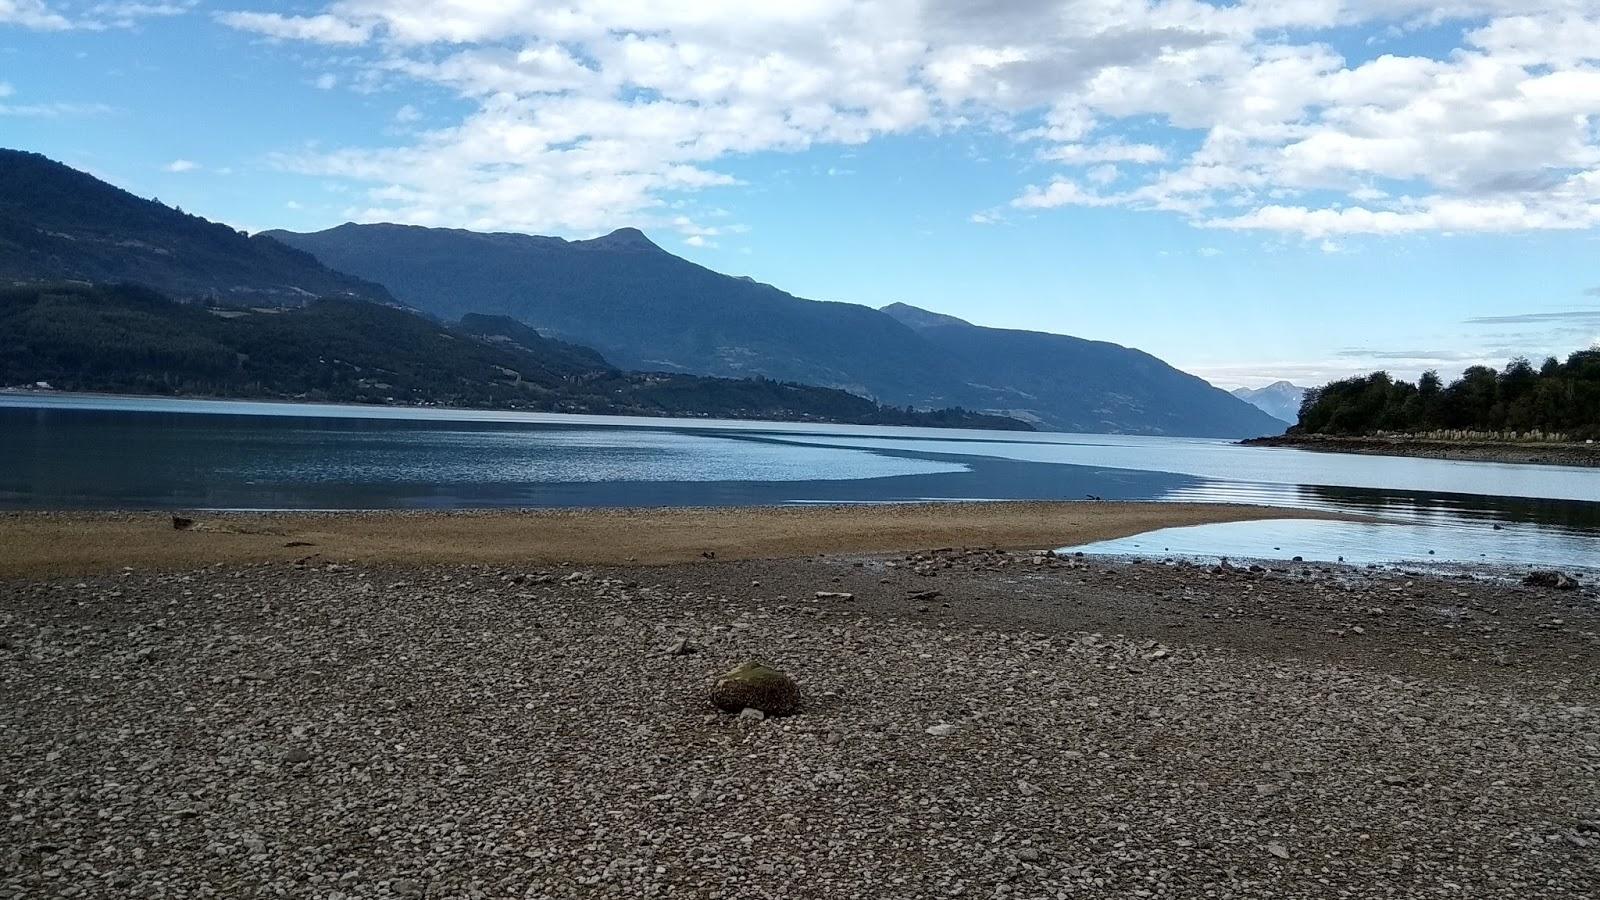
322,29
32,14
182,165
407,115
127,15
1114,150
6,89
53,110
1061,192
327,81
1437,214
40,16
1104,174
1248,115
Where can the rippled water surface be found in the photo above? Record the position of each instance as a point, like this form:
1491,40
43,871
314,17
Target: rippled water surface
62,451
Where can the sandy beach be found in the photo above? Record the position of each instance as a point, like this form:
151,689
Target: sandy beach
239,718
81,542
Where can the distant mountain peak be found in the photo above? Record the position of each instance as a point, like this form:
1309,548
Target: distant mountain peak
917,318
624,239
1280,399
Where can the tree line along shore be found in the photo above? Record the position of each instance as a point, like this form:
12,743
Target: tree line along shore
1546,415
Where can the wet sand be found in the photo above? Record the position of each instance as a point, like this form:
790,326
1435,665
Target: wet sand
36,544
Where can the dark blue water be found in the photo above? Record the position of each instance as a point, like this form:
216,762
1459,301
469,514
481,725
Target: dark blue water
97,452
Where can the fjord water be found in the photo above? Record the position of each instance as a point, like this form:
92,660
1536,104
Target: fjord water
64,451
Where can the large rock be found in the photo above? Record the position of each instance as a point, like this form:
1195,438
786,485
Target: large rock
1560,581
756,685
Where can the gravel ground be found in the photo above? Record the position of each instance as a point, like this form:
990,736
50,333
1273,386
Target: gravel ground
1098,730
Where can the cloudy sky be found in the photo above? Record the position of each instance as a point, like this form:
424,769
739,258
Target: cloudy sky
1251,190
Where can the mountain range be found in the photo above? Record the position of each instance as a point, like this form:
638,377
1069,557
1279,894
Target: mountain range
1280,400
644,308
619,299
125,338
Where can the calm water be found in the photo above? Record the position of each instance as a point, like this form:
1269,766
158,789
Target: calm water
100,452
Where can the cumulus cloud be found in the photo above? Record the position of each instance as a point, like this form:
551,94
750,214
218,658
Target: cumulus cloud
32,14
1253,115
1061,192
182,165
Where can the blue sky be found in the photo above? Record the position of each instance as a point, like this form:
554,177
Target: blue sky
1249,190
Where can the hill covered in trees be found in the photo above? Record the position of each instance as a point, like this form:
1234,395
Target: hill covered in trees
1556,401
130,339
60,224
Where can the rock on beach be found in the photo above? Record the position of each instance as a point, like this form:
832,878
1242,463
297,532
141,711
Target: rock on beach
756,685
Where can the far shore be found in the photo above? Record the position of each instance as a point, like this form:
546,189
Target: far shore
75,543
1546,454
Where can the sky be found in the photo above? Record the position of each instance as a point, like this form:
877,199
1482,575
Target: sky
1251,190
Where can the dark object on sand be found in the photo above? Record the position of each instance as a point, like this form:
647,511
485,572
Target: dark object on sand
1560,581
756,685
180,523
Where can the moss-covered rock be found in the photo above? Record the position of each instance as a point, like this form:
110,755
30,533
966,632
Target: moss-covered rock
756,685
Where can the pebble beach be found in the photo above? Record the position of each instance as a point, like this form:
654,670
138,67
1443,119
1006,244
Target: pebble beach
974,723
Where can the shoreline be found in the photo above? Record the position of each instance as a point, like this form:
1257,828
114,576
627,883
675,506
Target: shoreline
1571,455
72,542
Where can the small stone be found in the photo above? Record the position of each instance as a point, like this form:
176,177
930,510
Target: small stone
1278,850
834,595
406,887
1028,854
297,755
1269,790
751,715
681,647
941,730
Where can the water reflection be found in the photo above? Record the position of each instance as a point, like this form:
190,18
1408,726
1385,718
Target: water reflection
1357,543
